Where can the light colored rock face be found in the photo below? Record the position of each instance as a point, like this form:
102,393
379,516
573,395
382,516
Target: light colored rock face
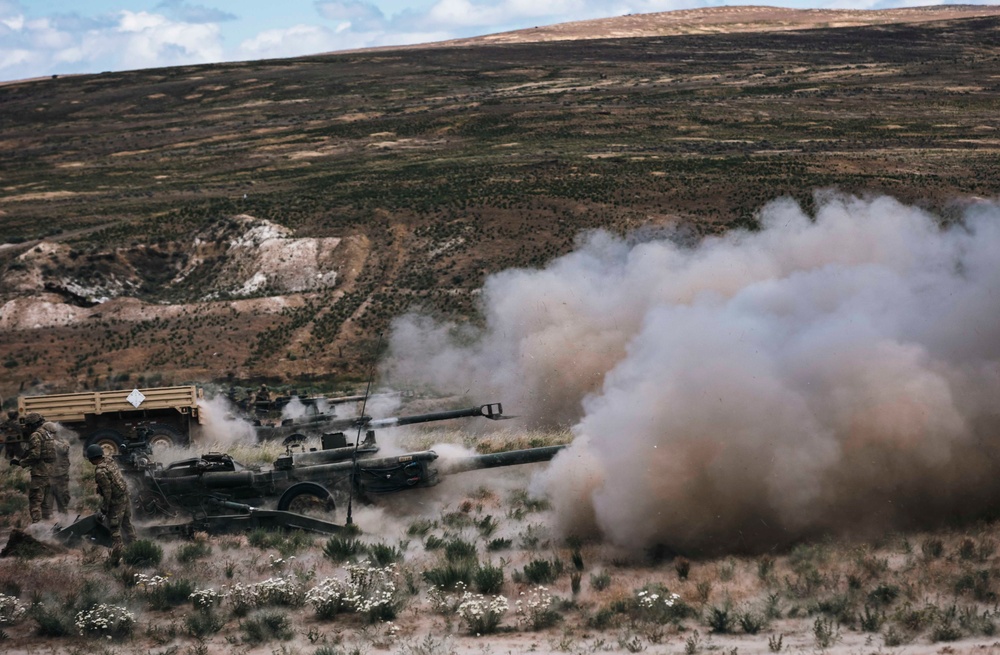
251,262
261,257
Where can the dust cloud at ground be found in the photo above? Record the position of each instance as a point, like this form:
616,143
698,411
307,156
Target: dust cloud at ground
831,372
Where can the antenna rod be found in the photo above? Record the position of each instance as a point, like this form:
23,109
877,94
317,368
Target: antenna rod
357,439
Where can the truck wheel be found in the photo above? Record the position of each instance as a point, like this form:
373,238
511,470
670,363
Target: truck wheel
308,498
110,440
163,436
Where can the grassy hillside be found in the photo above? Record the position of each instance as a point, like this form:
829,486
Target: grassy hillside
441,166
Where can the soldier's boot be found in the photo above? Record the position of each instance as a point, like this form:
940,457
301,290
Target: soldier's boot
128,530
115,556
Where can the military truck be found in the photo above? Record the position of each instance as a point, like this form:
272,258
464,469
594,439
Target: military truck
160,416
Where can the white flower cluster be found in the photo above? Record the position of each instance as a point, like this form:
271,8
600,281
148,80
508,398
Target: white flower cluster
443,602
480,614
279,563
649,600
11,611
328,597
206,599
273,591
534,609
105,620
370,590
149,582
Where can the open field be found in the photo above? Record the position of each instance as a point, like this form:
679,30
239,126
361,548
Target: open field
400,586
435,168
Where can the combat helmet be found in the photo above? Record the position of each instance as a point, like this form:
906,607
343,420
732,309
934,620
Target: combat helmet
94,451
34,419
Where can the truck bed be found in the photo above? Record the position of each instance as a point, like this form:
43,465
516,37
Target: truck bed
69,407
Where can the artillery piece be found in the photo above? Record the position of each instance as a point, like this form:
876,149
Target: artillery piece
304,480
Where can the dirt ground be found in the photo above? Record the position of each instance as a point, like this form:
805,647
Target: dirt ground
601,617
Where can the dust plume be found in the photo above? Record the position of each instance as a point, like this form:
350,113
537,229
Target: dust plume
836,372
222,424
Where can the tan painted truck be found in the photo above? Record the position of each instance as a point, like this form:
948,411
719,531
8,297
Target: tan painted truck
161,416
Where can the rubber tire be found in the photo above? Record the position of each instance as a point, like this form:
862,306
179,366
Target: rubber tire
110,440
318,492
164,436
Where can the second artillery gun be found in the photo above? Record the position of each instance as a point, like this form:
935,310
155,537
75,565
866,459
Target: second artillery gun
302,480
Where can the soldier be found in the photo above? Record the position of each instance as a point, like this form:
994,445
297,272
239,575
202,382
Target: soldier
40,457
60,470
115,505
264,394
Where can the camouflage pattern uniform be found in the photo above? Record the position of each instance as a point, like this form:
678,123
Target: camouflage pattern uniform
113,491
40,457
59,485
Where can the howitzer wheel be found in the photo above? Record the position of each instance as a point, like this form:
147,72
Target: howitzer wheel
110,440
163,436
308,498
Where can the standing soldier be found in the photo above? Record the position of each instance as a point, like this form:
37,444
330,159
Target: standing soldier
40,457
60,470
113,490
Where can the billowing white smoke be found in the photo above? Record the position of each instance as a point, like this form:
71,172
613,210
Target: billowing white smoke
835,372
222,425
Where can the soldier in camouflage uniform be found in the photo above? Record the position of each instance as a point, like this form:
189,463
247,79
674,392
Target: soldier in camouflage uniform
59,483
115,504
40,457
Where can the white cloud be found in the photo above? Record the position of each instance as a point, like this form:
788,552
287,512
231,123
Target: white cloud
290,42
155,40
127,40
360,16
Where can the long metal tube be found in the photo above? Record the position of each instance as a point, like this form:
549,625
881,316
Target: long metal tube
493,460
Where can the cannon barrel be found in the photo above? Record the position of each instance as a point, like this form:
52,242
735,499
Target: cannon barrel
329,423
493,411
494,460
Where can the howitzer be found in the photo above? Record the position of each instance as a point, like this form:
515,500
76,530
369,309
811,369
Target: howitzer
318,424
303,480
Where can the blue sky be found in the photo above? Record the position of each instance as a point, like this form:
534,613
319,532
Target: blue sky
46,37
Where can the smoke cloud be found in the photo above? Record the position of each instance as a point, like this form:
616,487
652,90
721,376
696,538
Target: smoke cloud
828,373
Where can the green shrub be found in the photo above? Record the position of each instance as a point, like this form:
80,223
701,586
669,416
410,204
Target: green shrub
202,624
720,619
932,548
871,619
542,571
488,579
339,549
266,626
487,525
751,622
977,582
600,581
457,550
142,553
54,621
498,544
451,573
383,554
421,528
193,551
170,594
883,595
